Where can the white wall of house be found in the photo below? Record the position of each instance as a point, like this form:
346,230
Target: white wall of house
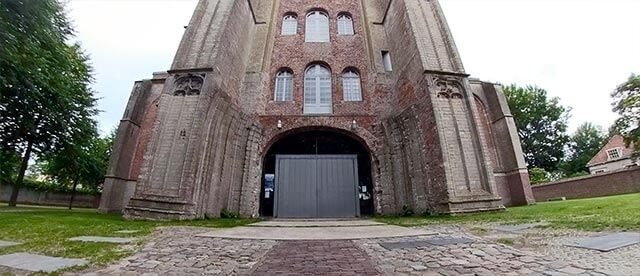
611,166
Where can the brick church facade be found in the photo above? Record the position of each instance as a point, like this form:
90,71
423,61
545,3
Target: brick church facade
315,108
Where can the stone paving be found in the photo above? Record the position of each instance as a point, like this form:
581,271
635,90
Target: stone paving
462,250
103,239
481,257
177,251
36,263
552,243
338,257
8,243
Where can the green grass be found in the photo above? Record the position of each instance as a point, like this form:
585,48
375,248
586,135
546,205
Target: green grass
594,214
46,230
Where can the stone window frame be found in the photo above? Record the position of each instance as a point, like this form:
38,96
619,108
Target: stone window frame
614,153
289,24
351,85
283,89
316,29
345,24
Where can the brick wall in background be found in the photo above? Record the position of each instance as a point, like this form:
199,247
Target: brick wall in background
32,197
606,184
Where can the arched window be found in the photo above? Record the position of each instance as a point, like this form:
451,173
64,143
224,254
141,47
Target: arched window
345,24
289,24
284,86
317,27
317,90
351,86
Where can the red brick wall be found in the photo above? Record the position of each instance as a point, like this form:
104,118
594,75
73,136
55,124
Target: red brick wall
614,183
342,52
143,139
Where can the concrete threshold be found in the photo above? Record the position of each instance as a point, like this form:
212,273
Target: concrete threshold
317,233
315,223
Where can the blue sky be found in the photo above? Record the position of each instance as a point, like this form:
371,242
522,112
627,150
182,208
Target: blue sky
578,50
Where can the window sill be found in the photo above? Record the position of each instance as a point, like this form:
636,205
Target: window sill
282,102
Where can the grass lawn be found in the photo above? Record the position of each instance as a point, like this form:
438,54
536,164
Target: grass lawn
595,214
46,230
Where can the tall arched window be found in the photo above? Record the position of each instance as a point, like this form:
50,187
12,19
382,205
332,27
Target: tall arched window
317,90
284,86
317,27
289,24
345,24
351,86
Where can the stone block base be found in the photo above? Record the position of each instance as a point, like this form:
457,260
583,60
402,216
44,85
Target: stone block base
146,209
116,194
474,204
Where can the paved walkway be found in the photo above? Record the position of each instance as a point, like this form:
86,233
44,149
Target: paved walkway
181,250
316,258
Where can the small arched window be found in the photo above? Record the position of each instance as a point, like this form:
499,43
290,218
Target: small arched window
345,25
289,24
317,90
284,86
351,86
317,27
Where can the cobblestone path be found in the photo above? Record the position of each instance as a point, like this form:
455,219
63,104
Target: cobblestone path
316,258
177,251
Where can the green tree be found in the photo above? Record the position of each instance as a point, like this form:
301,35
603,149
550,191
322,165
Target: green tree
44,82
81,163
9,164
542,125
626,102
583,145
538,176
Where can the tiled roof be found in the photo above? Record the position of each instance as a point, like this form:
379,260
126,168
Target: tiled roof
615,142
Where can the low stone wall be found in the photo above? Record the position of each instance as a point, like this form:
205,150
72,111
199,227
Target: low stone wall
606,184
31,197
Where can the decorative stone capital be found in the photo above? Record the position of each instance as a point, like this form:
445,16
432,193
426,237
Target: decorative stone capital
188,84
448,88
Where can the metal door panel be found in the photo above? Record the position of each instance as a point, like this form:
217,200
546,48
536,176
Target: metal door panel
337,187
309,186
296,179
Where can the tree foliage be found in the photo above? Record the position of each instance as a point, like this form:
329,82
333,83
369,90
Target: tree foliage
538,176
542,124
583,145
626,102
9,165
82,162
44,82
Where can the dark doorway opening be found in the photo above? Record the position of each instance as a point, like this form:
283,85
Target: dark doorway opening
317,142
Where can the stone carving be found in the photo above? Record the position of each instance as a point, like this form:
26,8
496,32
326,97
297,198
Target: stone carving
188,84
448,88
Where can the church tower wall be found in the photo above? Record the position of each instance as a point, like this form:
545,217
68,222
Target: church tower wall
435,142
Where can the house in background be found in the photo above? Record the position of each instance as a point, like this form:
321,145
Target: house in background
615,155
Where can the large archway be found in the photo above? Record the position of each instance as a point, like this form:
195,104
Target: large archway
329,148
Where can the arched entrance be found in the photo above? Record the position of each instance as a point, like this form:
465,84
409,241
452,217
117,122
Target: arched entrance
317,173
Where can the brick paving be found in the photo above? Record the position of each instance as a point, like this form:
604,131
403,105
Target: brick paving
316,258
178,251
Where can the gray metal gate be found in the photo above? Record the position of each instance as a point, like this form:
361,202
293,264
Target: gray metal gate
316,186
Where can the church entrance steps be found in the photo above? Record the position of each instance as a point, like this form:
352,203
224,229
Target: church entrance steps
316,223
317,230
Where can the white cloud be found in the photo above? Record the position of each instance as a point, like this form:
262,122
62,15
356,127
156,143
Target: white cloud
578,50
127,40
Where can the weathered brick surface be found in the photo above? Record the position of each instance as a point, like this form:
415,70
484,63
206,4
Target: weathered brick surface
435,141
316,258
605,184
